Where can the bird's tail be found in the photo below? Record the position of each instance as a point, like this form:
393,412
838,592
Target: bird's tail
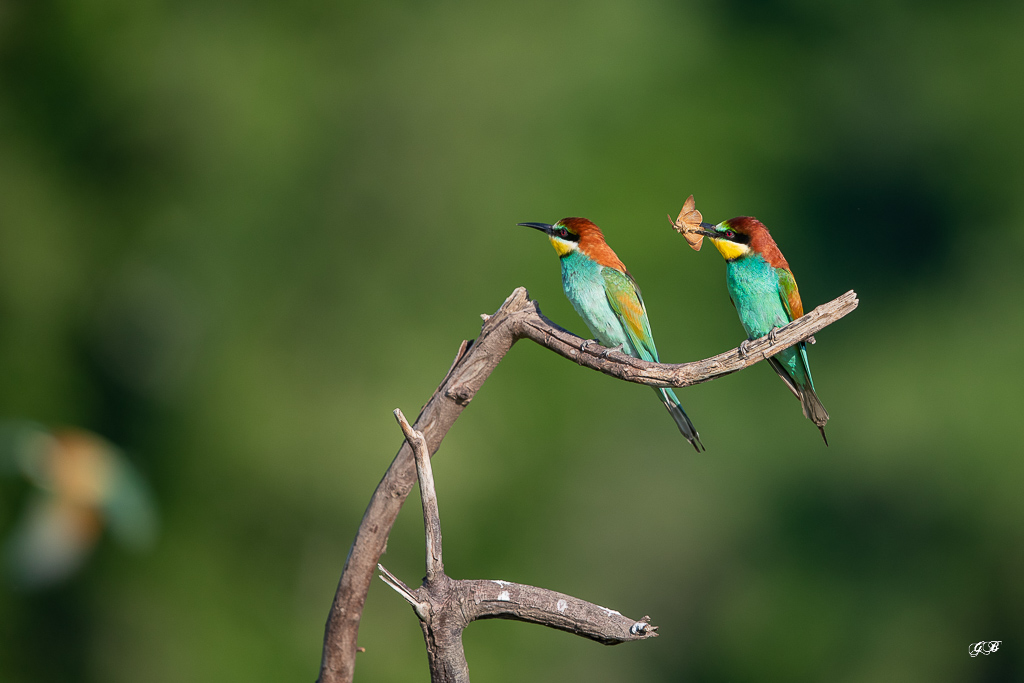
813,410
803,389
668,397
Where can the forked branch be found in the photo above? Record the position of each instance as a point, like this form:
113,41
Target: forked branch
446,606
518,318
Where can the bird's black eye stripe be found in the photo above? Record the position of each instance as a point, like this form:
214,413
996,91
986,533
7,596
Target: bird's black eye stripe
737,237
566,235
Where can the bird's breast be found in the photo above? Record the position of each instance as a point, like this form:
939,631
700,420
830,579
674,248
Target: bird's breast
583,283
754,288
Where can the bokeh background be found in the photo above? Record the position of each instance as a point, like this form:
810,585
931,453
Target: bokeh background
234,236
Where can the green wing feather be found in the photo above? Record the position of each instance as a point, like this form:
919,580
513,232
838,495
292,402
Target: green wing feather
802,387
794,307
628,305
625,299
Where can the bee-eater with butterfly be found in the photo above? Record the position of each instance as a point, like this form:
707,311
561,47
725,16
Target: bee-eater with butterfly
608,299
763,290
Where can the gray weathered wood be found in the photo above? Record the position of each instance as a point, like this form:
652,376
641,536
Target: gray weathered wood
431,516
445,607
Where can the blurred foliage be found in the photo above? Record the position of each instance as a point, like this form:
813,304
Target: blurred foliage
235,235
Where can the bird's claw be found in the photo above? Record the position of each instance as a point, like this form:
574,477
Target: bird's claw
608,352
744,346
586,343
773,335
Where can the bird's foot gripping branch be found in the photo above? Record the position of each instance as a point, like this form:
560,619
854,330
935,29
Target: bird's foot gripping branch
518,318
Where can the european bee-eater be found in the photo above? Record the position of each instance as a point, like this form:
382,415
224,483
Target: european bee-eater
84,485
608,299
763,290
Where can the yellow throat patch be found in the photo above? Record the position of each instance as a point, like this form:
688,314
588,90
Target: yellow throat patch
729,250
561,247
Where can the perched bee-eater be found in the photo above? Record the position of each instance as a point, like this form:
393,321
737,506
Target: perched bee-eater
763,290
608,299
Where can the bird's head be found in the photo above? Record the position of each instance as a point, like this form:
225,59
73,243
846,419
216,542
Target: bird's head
578,234
564,235
736,237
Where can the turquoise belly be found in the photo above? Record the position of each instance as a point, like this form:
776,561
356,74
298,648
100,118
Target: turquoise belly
584,287
754,288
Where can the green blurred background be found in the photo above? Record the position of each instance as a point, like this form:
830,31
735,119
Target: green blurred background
234,236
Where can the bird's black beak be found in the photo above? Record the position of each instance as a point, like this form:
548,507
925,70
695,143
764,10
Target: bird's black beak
543,227
709,230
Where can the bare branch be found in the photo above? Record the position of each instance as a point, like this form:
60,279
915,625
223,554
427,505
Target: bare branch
517,318
421,607
431,516
534,326
504,600
472,366
445,607
448,606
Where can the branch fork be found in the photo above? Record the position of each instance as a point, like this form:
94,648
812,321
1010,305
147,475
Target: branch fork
517,318
446,606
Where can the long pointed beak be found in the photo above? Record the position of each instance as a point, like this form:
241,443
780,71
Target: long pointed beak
709,230
543,227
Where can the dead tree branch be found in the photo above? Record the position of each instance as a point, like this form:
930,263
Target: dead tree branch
518,318
536,327
446,606
431,516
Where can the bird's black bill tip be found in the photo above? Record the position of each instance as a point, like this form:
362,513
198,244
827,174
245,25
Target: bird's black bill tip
543,227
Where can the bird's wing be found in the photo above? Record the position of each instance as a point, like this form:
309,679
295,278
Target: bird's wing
625,300
789,294
790,297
